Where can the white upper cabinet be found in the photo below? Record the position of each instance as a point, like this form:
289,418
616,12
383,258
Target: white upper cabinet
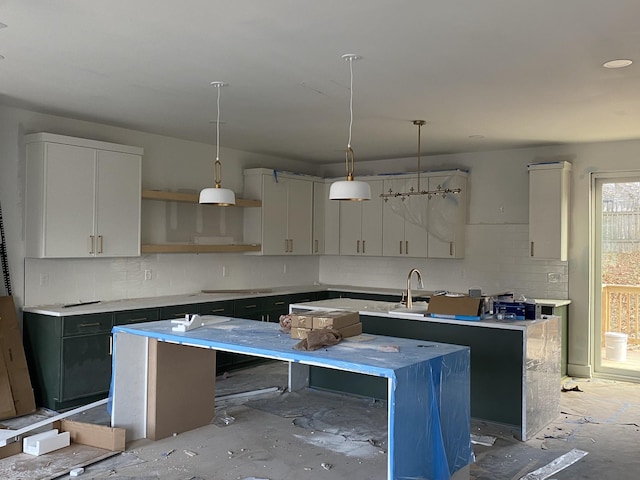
82,198
549,185
404,221
447,215
361,223
284,223
326,221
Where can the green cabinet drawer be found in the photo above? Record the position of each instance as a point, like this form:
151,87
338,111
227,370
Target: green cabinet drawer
216,308
178,311
136,316
249,308
85,324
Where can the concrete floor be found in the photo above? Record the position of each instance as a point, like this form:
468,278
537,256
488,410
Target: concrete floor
315,435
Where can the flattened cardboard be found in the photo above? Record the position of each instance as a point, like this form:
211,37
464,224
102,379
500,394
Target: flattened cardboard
335,319
443,305
15,361
180,388
303,319
99,436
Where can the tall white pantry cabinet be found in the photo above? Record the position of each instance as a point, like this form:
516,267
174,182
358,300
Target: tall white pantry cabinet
83,198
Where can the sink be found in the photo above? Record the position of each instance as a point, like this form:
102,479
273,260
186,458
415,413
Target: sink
419,309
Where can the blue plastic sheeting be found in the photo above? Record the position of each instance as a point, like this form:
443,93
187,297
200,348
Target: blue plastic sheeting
429,389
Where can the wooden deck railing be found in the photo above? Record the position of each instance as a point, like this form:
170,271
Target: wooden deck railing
620,310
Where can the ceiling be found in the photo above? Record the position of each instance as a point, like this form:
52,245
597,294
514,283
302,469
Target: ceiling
485,75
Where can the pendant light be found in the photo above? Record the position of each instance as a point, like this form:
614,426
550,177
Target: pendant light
217,195
350,189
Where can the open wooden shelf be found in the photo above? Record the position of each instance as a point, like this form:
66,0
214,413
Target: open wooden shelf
191,198
197,248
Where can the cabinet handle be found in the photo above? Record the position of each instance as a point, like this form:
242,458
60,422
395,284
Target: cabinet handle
316,246
178,315
451,249
84,325
279,303
406,247
400,247
286,245
110,345
250,306
141,319
216,310
532,249
99,243
363,248
91,239
358,246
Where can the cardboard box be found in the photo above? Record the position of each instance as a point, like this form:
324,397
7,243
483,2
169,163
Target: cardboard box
303,319
335,319
16,393
299,333
351,330
99,436
456,306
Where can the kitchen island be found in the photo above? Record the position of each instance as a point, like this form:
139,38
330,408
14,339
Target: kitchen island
515,365
433,441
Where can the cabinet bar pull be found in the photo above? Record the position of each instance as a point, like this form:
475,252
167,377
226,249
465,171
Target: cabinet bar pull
291,246
141,319
451,249
216,310
400,247
178,315
358,246
110,345
406,247
279,303
363,249
96,324
99,243
286,245
91,252
316,246
532,249
250,306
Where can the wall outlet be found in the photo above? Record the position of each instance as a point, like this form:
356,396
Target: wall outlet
148,274
44,279
553,277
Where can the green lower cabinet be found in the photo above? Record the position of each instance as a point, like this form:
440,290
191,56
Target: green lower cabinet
69,358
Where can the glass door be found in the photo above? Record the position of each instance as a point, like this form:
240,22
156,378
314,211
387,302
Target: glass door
616,280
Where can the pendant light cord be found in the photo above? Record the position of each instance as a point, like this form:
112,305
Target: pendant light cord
218,127
350,101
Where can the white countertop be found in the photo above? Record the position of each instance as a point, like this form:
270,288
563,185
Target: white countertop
381,309
60,310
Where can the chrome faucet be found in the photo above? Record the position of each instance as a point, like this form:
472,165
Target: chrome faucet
420,285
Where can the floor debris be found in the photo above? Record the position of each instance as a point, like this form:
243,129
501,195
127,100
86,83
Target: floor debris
556,466
485,440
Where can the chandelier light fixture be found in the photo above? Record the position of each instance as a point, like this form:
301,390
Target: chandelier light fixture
350,189
217,195
418,191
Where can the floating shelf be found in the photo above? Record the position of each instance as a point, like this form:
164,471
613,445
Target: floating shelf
192,248
190,198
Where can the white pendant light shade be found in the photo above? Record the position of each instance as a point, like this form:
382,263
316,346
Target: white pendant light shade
350,190
223,197
218,196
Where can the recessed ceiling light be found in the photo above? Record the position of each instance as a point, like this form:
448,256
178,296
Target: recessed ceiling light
3,25
617,63
1,57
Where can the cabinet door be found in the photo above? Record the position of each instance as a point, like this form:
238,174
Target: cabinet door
86,365
118,200
320,194
300,216
446,218
548,210
371,219
350,227
274,215
404,232
68,220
